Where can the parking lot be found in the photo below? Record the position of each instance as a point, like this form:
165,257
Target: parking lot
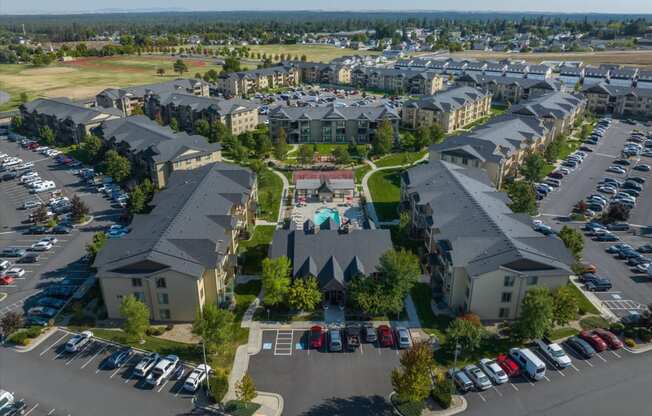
54,382
631,291
317,382
63,259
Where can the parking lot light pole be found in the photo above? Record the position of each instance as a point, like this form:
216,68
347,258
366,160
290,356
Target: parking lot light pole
458,349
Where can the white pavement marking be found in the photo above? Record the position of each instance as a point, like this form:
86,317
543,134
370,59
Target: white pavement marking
515,388
601,357
117,370
616,354
588,362
575,368
178,390
547,379
94,355
129,377
482,397
163,386
31,410
283,343
497,391
50,412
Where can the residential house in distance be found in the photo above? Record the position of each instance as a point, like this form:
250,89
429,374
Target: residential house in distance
397,81
330,124
499,146
157,151
495,68
182,255
516,70
125,99
558,110
238,115
619,101
318,73
333,256
236,84
452,109
594,75
623,77
644,79
69,121
509,89
485,268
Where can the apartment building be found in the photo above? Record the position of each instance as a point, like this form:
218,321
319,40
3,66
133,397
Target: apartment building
509,90
69,121
156,151
571,76
486,268
499,146
623,77
330,124
238,115
182,255
558,110
236,84
619,101
125,99
398,81
452,109
593,75
318,73
644,79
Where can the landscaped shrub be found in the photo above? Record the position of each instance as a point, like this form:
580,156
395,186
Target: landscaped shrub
155,331
645,335
630,342
630,332
442,395
33,331
617,328
19,338
219,386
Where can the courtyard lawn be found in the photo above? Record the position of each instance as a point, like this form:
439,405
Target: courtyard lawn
399,159
560,333
431,324
270,187
314,53
385,187
585,306
85,77
360,172
253,251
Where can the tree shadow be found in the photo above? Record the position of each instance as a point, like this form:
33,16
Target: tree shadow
353,406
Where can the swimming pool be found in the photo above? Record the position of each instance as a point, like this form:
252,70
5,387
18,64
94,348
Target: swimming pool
324,214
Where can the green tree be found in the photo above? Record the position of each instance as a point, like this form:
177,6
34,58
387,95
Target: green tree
160,72
91,146
281,145
400,270
306,154
23,97
533,167
47,135
566,305
341,155
137,201
304,294
437,133
215,326
246,390
412,380
202,127
174,124
180,67
276,280
10,323
116,166
264,146
231,65
383,139
98,242
466,333
537,313
573,239
408,141
367,295
219,133
553,150
136,317
523,197
17,123
40,215
78,209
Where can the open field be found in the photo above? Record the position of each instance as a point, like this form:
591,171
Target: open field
314,53
85,77
640,58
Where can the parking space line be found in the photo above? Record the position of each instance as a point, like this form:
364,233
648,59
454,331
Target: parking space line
94,355
31,410
497,391
515,388
588,362
163,386
616,354
75,355
50,412
482,397
601,357
547,379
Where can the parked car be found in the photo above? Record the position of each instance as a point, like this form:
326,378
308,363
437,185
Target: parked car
119,357
642,168
61,229
15,272
51,302
645,248
352,332
461,380
334,340
196,377
369,332
75,343
316,337
162,370
403,337
41,246
607,237
12,252
508,365
618,226
6,280
609,338
580,346
596,342
599,284
478,377
385,337
554,353
494,371
529,363
145,364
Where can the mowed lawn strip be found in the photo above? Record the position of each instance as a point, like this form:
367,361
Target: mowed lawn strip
385,186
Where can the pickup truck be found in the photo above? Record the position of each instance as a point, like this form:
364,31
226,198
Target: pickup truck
9,406
353,336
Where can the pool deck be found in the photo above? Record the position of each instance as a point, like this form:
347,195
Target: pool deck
303,213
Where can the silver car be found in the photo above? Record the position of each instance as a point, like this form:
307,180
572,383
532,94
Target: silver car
403,337
478,377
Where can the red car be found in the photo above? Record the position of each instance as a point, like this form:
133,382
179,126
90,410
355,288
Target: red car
609,338
316,337
385,337
6,280
508,365
596,342
32,146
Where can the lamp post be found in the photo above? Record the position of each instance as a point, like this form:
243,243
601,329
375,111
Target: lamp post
458,349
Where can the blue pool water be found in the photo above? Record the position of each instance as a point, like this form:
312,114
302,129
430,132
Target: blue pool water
324,214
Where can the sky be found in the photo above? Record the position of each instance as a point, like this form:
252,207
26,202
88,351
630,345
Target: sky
564,6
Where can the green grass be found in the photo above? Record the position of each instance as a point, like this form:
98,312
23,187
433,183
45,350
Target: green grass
431,324
585,306
253,251
571,146
238,408
408,408
559,333
385,188
283,314
270,187
360,172
325,149
593,322
245,294
399,159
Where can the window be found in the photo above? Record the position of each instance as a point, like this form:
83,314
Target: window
136,282
164,313
160,283
140,296
506,297
163,298
119,297
503,313
509,281
532,280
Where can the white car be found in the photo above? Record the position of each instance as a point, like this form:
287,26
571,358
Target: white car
4,264
616,169
610,190
196,377
554,353
41,246
32,203
42,149
27,176
493,370
162,370
12,162
44,187
78,341
51,240
15,272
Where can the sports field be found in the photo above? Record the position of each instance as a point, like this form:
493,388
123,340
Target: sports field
85,77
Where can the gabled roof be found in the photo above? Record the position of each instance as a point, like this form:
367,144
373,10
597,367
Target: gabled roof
458,196
556,105
331,112
184,85
189,229
617,91
449,100
65,109
200,103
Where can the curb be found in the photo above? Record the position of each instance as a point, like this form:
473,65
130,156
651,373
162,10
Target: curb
642,350
36,341
81,224
278,410
453,410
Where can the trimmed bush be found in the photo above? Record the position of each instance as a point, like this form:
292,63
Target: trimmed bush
34,331
219,387
645,335
630,342
19,338
617,328
442,396
630,332
155,331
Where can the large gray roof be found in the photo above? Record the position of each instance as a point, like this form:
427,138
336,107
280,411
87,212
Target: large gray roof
331,112
330,255
555,105
177,85
617,91
162,144
189,228
448,100
496,140
482,80
200,103
64,108
459,196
